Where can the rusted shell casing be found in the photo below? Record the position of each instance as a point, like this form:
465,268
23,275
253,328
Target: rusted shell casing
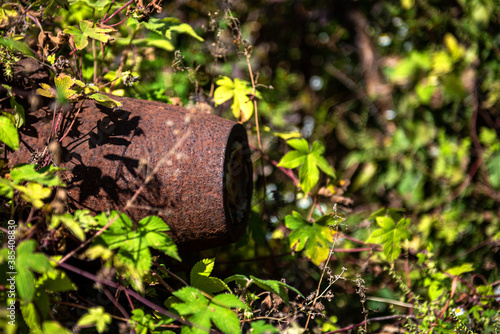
202,188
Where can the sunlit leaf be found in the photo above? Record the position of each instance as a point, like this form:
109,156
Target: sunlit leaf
390,235
200,277
8,131
28,262
97,317
315,237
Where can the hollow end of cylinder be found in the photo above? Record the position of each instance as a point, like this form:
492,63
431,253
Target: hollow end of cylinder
237,182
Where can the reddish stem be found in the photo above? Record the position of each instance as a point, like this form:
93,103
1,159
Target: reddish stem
118,11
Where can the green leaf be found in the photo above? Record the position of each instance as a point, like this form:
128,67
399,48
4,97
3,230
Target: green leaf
105,100
323,165
56,281
493,167
200,277
225,91
229,300
390,235
45,176
34,193
160,43
292,159
80,36
202,312
276,287
143,323
63,86
300,144
260,327
97,317
8,131
459,270
18,112
94,4
316,237
308,174
6,188
239,91
70,223
133,243
183,28
28,262
51,327
309,159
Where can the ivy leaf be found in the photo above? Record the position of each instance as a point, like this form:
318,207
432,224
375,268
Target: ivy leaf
143,323
202,312
200,277
239,91
183,28
276,287
390,234
70,223
94,4
8,131
168,25
300,144
260,327
86,30
50,327
27,173
97,317
55,281
310,160
459,270
63,86
105,100
34,193
27,263
63,91
19,115
225,91
133,244
315,237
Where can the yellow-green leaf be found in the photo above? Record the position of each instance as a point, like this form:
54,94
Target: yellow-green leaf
105,100
8,131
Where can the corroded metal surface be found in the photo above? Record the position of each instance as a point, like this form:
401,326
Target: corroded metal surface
202,189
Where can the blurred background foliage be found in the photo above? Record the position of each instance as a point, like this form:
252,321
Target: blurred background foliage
404,95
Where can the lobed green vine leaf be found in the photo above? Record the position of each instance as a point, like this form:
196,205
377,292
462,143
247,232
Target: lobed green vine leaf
200,277
315,237
8,131
201,312
133,243
240,91
309,160
390,235
87,30
96,316
28,262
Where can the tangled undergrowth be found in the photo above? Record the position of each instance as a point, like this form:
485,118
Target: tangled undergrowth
376,202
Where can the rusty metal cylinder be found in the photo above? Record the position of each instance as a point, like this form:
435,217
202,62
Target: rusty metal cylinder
202,185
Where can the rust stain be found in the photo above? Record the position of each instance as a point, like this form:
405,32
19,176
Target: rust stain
203,191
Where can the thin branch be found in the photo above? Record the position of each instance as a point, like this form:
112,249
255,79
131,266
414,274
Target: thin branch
390,301
389,317
118,11
88,241
132,293
116,303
